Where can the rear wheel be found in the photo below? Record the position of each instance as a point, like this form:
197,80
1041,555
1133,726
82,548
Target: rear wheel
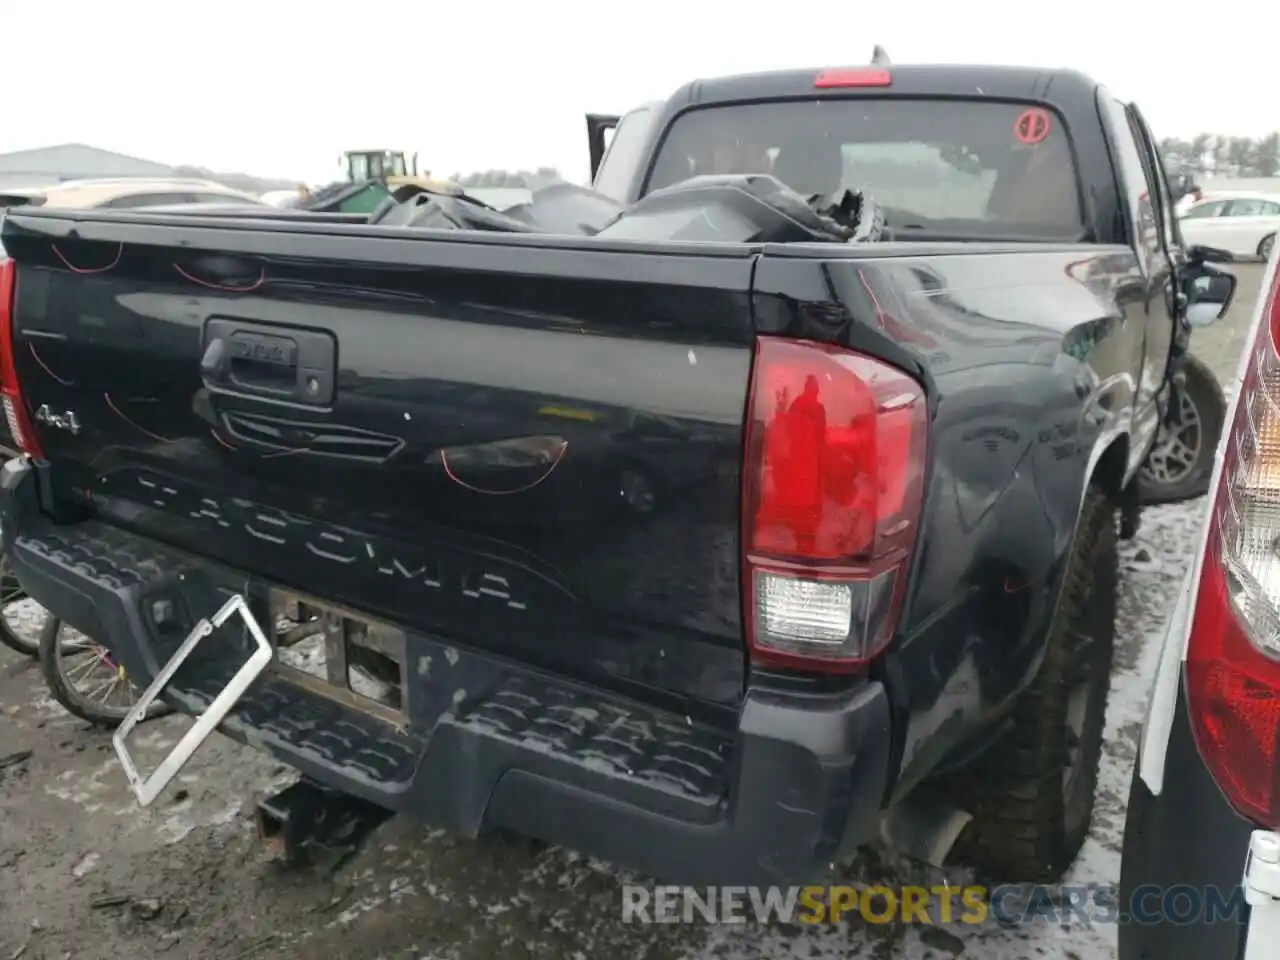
1265,245
1032,793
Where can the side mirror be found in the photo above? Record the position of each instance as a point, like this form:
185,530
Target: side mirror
1202,314
1209,295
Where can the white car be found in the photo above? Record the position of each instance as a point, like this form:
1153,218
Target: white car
1203,822
126,193
1244,223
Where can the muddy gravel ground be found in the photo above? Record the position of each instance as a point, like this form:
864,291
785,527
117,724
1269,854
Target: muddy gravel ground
84,873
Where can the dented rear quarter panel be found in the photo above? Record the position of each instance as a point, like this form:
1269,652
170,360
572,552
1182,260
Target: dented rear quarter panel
1032,362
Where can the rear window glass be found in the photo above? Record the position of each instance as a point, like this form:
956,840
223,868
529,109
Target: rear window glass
941,168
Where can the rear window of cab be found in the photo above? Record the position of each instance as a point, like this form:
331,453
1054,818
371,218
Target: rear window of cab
982,167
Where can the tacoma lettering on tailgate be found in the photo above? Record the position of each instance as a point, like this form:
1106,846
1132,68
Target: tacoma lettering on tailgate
469,575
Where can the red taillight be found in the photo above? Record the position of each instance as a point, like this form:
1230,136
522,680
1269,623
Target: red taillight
853,77
15,411
1233,654
832,485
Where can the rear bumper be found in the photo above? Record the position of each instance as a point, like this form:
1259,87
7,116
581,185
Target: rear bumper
489,744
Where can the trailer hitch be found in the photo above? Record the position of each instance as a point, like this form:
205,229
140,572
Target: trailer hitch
308,820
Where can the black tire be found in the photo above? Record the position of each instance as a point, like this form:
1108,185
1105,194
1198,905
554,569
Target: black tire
11,592
1030,796
1203,391
71,699
1265,245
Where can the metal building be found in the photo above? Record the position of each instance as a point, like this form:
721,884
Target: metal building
72,161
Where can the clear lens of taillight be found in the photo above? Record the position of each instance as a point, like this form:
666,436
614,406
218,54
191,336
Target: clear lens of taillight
15,411
12,419
833,481
1233,655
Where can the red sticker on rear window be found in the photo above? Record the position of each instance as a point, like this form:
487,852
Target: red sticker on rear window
1032,126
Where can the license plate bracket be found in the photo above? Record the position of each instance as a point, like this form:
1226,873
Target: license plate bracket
147,789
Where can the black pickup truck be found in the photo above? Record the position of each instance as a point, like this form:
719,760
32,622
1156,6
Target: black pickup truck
717,560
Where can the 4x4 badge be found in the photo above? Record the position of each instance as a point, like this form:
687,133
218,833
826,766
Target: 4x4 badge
62,421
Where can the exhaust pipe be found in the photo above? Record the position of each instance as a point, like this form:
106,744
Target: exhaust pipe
923,827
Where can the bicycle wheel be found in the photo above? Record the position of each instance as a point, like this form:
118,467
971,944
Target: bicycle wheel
85,680
21,618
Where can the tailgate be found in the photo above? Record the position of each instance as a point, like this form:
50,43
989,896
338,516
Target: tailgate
520,447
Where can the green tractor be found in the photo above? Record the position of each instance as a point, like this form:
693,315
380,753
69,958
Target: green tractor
369,178
374,175
392,166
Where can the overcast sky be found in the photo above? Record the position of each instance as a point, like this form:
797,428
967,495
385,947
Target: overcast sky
281,87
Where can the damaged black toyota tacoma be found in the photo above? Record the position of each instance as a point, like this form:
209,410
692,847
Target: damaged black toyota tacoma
759,504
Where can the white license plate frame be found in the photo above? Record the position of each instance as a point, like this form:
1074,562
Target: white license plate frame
146,789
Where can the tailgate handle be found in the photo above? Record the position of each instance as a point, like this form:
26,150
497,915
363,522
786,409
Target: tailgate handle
214,362
288,364
258,362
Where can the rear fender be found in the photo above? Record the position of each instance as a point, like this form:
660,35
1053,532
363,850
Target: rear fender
1109,466
1106,468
